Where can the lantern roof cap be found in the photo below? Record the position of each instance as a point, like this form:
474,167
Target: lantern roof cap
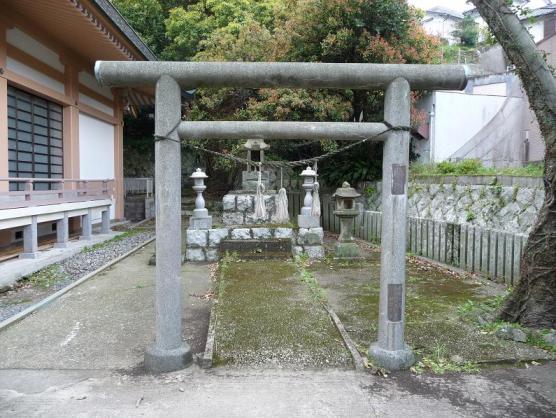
346,191
198,174
308,172
256,144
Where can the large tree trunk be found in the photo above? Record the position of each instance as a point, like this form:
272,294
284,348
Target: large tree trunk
533,301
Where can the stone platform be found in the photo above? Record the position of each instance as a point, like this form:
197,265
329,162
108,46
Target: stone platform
239,208
205,245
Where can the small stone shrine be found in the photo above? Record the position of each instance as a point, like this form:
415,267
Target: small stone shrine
346,210
255,154
250,236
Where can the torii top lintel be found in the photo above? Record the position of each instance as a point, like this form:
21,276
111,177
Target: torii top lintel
285,74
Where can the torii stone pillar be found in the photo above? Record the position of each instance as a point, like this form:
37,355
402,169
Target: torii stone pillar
168,352
391,351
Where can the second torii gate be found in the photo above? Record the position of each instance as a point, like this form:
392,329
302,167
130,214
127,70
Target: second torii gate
169,352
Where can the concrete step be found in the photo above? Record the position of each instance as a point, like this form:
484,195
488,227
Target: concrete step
254,249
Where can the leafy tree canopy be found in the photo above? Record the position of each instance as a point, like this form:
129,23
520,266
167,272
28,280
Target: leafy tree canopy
147,18
467,30
350,31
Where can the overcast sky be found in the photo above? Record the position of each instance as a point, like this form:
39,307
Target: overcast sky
451,4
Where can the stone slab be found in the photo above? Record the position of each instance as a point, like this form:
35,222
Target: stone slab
241,233
308,221
233,218
200,223
196,238
314,252
217,235
257,248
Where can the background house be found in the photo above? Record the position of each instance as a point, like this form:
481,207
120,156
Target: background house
539,18
491,119
441,22
55,120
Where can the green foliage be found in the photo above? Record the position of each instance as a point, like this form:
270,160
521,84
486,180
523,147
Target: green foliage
470,216
369,191
302,263
460,168
191,27
467,30
459,54
47,277
349,31
99,245
147,18
438,363
473,168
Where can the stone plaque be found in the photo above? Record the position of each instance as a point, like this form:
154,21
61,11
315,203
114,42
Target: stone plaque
398,179
395,302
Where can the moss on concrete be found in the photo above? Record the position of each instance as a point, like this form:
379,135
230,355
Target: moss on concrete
266,316
435,327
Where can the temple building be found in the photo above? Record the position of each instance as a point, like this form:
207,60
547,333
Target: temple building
61,134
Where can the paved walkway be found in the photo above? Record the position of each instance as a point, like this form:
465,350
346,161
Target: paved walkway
81,356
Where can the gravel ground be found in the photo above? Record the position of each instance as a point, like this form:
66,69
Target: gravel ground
71,269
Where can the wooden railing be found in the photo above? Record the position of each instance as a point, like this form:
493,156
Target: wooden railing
60,191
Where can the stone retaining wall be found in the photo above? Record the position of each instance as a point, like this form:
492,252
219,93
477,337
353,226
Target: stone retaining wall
204,245
510,209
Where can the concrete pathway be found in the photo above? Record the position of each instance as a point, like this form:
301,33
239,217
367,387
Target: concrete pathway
105,323
81,357
273,393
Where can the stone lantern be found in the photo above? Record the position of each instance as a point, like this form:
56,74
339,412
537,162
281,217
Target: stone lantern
200,218
305,219
345,196
255,153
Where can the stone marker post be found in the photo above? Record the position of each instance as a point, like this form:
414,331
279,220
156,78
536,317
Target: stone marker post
200,218
391,351
168,352
305,219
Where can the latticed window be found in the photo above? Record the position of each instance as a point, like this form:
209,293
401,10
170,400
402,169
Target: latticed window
35,138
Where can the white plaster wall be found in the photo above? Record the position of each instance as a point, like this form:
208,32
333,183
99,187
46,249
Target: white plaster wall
497,89
96,104
442,28
32,74
90,81
96,151
27,44
537,30
458,117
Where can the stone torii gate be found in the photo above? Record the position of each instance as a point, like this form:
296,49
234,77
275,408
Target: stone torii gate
169,352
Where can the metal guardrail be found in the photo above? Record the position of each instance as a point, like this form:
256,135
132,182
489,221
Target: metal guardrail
60,191
138,185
